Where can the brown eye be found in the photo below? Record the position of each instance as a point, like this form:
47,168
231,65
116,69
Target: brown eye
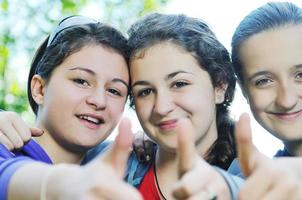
263,82
80,81
144,92
299,76
179,84
114,92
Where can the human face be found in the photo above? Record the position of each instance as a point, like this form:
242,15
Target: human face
272,73
169,86
84,98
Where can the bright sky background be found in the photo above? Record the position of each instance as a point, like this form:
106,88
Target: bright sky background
223,17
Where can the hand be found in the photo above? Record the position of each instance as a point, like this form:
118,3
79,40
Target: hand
100,179
198,179
14,132
143,147
267,179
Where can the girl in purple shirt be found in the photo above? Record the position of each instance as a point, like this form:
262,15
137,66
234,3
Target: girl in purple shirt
77,87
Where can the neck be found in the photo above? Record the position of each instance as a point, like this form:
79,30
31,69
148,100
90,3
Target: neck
294,147
166,169
204,143
56,152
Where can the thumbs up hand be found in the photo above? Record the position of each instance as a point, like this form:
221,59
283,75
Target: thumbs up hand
197,179
102,178
266,178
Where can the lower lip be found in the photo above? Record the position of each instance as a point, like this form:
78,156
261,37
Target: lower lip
90,125
289,117
168,126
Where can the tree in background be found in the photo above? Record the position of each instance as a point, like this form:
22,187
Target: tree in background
24,24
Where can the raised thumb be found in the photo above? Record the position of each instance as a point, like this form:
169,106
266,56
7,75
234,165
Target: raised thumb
118,153
186,147
247,152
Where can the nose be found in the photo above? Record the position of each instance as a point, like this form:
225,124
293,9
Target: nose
97,100
287,96
164,103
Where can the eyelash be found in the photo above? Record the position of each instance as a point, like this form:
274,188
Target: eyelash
262,82
299,76
144,92
114,92
84,83
179,84
81,82
147,91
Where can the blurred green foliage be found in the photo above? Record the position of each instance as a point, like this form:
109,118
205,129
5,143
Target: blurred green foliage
24,24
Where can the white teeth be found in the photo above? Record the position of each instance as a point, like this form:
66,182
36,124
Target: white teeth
91,119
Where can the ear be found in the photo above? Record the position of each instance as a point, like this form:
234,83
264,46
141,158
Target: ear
220,93
37,89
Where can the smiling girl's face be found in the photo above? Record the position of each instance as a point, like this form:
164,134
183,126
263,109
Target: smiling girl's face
169,85
84,98
272,70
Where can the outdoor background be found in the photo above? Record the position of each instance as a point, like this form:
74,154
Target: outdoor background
24,25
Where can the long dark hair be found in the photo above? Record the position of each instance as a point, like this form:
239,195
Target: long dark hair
196,38
269,16
70,36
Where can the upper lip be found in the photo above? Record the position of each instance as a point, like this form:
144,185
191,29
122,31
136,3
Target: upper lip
285,113
95,117
166,122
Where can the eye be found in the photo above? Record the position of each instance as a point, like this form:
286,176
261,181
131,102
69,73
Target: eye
299,76
179,84
114,92
81,82
144,92
263,82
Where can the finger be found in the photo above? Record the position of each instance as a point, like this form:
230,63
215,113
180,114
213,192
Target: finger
284,188
22,129
124,190
245,146
5,141
118,153
203,176
256,185
186,147
12,135
36,132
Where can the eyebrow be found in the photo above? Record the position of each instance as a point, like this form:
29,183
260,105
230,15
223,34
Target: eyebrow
169,76
298,66
261,73
89,71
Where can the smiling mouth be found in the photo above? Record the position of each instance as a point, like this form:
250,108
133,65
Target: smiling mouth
90,119
288,116
167,125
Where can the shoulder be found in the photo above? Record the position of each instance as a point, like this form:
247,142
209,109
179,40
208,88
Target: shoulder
9,164
94,152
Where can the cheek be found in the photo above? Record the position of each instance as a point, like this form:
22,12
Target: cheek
116,108
259,99
143,109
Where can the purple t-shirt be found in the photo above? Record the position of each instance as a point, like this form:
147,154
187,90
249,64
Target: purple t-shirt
11,161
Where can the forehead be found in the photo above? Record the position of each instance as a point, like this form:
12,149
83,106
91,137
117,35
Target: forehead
162,58
274,49
102,60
